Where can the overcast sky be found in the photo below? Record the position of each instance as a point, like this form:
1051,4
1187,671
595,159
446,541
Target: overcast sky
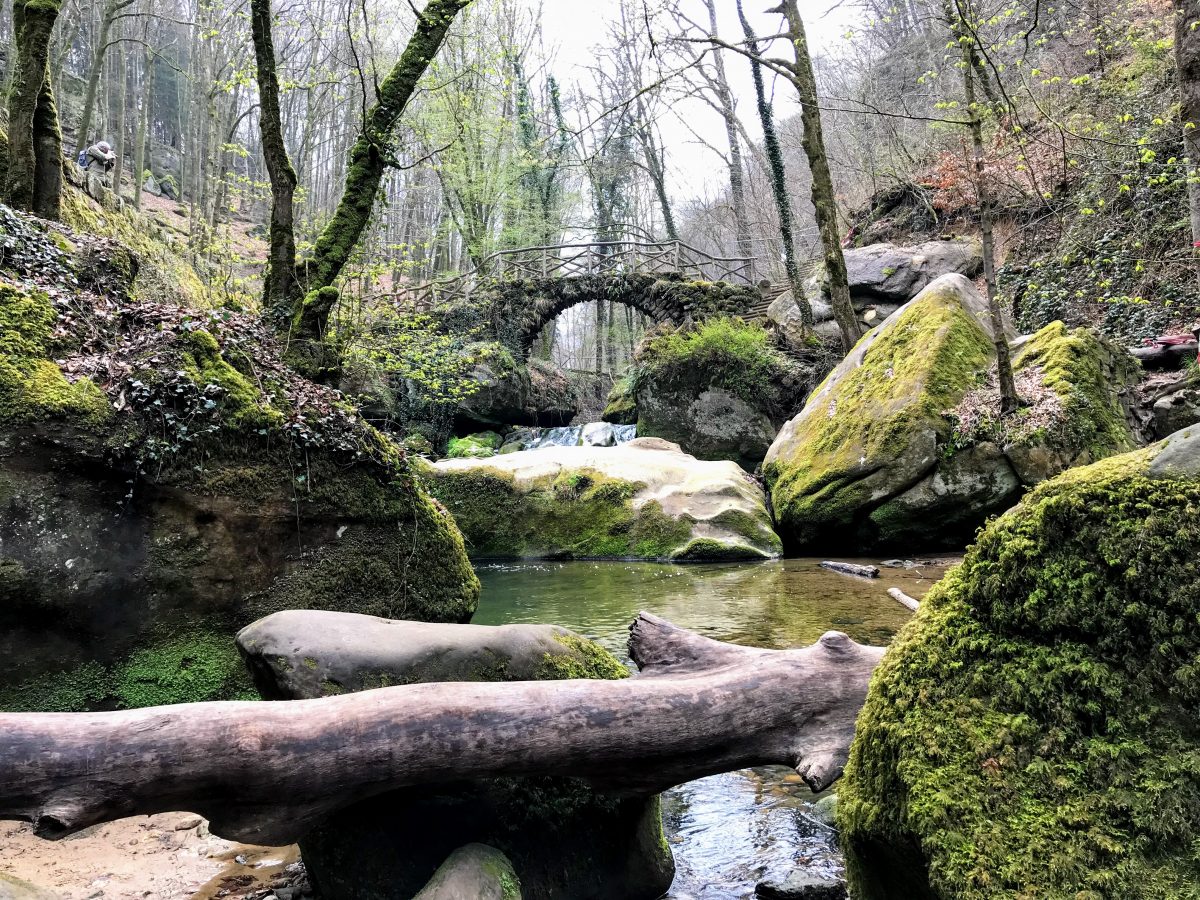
575,27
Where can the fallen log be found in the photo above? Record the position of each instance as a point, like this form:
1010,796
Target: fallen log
266,772
845,568
1165,356
908,601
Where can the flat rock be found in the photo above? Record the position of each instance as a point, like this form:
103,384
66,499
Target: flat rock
641,500
15,889
1179,456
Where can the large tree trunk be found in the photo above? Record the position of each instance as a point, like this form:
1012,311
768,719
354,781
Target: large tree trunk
281,261
1187,61
35,157
267,772
964,34
368,159
737,178
823,197
774,151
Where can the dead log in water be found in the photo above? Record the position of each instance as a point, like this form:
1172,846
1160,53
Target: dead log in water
845,568
265,772
899,595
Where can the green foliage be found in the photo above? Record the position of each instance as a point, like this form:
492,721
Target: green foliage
1032,732
474,446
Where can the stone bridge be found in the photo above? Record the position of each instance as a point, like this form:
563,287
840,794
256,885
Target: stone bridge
516,293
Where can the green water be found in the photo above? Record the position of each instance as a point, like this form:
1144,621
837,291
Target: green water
730,831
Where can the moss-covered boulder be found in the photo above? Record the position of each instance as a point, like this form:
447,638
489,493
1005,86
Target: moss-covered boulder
165,480
645,499
1032,732
621,406
566,840
508,390
902,446
719,389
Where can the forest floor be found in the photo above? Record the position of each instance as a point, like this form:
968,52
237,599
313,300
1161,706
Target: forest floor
171,856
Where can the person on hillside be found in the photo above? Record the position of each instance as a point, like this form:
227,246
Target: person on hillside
101,152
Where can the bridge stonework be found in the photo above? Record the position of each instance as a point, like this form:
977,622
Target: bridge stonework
516,310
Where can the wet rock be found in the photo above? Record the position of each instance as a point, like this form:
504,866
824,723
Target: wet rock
599,434
825,810
802,886
473,872
641,500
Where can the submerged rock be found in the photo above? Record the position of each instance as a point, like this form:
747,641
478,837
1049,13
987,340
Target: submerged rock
164,480
1031,732
901,446
566,840
642,500
802,886
473,872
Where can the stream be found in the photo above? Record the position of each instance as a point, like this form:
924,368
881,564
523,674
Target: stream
728,832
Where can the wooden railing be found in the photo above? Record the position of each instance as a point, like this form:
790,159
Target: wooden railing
578,260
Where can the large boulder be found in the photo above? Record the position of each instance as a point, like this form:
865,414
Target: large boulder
1176,411
509,391
901,446
566,840
164,480
645,499
720,390
1031,733
888,273
882,278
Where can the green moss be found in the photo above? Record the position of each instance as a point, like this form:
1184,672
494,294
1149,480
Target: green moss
585,659
241,401
1073,366
1032,733
920,366
188,669
621,407
475,446
185,669
32,387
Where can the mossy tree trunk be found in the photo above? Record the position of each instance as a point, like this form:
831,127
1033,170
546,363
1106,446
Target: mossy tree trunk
35,159
823,197
774,150
960,15
368,160
281,261
1187,61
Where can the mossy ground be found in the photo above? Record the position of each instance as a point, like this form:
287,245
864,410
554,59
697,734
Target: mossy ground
1032,733
205,417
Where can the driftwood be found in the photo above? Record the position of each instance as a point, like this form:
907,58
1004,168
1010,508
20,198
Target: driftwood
266,772
845,568
908,601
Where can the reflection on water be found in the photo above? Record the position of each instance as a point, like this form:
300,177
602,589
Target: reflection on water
730,831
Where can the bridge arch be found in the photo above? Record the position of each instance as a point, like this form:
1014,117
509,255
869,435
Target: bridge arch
521,291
